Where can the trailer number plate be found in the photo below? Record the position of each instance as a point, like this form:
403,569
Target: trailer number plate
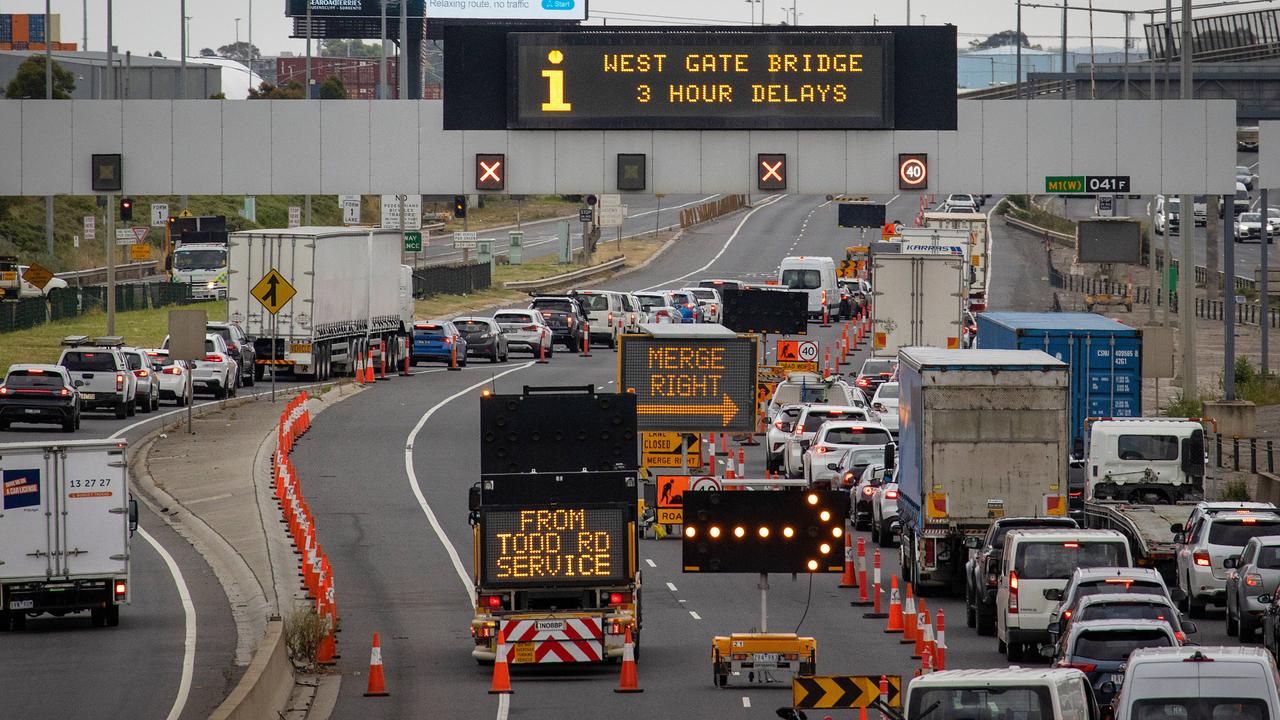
86,396
300,348
22,604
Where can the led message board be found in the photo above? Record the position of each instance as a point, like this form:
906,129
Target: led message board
565,544
700,80
690,385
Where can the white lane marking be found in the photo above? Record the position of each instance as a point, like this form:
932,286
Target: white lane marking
682,601
695,615
417,489
723,248
652,564
189,618
504,706
746,701
672,587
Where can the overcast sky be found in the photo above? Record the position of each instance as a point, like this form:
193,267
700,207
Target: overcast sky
143,26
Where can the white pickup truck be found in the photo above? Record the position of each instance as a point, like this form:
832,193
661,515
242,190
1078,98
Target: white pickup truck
66,519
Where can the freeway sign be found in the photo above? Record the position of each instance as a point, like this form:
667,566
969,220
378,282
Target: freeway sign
843,691
273,291
1091,184
1064,184
413,241
350,209
131,235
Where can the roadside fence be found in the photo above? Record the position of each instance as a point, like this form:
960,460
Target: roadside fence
451,279
1245,454
709,210
70,302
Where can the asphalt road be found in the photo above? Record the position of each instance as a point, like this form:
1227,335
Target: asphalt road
386,474
64,667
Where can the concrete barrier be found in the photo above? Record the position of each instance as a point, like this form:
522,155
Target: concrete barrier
266,685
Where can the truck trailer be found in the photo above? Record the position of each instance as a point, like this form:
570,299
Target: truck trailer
983,436
918,298
353,295
66,519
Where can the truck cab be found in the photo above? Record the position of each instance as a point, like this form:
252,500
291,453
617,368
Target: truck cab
203,266
1148,460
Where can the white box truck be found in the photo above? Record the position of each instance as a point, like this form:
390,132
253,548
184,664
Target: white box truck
66,519
352,294
979,231
918,299
984,435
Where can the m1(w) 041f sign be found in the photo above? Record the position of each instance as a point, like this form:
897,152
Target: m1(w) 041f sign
700,80
690,385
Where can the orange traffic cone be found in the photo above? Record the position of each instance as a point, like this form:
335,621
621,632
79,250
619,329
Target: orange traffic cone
501,677
629,681
922,636
895,608
847,580
328,650
377,683
369,375
909,619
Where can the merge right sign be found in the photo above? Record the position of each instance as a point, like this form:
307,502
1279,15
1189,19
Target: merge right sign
690,384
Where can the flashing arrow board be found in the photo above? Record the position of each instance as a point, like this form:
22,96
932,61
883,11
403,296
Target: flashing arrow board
701,80
691,384
273,291
843,691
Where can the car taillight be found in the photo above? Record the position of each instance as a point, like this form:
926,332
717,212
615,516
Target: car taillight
231,347
821,450
993,580
570,319
121,589
868,490
173,370
848,480
799,430
780,425
610,318
213,358
1013,592
1066,614
4,390
1201,558
65,392
864,382
1082,667
1253,580
890,494
1181,636
930,552
119,381
141,373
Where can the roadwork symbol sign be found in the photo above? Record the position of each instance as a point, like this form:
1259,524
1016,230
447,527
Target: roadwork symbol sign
843,691
671,490
797,350
273,291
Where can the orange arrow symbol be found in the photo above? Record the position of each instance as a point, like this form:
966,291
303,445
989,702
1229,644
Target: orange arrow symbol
727,409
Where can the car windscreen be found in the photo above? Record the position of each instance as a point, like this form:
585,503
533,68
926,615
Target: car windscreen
33,380
1115,645
888,390
134,362
1119,585
595,302
89,361
554,305
876,367
814,420
1147,447
513,318
857,436
1003,530
1200,708
161,359
199,259
472,327
797,393
1238,532
1057,559
429,330
210,347
800,279
648,301
702,294
225,332
1125,611
1251,218
980,703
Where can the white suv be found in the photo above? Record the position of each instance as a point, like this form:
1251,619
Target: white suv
606,314
1036,566
833,438
808,422
1204,549
1198,682
148,392
216,372
100,372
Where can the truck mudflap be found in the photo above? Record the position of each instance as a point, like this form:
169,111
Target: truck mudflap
555,640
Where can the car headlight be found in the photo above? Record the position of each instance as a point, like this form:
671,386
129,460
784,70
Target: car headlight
211,285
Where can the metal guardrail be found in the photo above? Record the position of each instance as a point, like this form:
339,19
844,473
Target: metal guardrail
1031,227
563,278
1233,452
98,276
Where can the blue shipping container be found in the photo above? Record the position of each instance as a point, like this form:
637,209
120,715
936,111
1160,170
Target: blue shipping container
6,28
36,28
1105,357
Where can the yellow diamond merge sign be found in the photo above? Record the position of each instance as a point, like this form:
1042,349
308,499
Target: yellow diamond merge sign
273,291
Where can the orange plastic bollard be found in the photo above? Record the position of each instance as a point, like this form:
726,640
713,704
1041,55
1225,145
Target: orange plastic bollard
453,355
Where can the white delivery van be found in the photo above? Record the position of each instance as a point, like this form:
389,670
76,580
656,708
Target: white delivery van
815,275
1199,682
1041,693
1037,560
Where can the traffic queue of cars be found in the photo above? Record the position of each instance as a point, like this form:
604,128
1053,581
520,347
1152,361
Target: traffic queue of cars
103,375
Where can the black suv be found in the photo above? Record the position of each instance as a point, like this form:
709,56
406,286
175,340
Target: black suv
565,316
982,572
239,345
39,394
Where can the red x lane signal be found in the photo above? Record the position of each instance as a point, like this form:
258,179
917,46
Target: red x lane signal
491,171
771,171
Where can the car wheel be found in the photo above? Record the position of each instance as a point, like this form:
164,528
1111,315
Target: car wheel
493,357
122,410
551,350
181,400
970,612
1014,652
1195,609
249,379
886,534
77,421
1233,627
1247,629
219,392
1001,647
875,531
131,408
259,371
986,624
69,425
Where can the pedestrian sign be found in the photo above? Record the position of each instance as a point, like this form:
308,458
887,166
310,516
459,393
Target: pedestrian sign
273,291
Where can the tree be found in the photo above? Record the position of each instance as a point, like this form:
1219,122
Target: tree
240,51
1000,39
218,96
207,52
333,89
267,91
29,81
349,48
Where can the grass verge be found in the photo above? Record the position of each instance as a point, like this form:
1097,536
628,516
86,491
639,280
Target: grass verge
141,328
636,251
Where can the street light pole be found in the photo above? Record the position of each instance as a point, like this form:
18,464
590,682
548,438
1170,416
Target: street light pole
182,51
1064,49
249,52
1018,70
109,92
401,65
382,55
1187,273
